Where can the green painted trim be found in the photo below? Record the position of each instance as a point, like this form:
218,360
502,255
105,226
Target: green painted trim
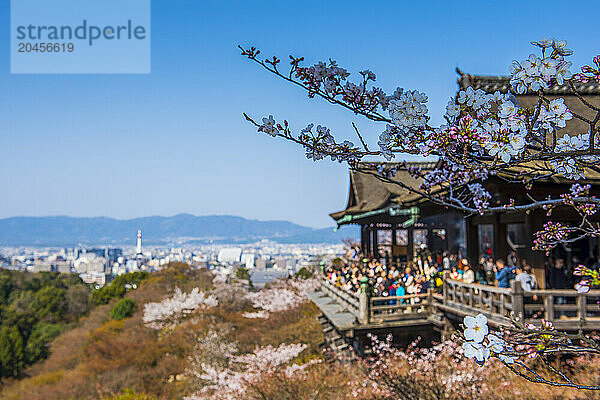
413,212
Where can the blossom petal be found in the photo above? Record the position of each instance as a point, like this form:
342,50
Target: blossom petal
470,322
481,319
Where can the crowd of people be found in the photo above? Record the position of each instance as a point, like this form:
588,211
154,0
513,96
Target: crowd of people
427,271
391,279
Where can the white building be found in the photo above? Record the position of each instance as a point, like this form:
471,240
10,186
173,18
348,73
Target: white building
88,263
132,265
94,277
248,260
230,255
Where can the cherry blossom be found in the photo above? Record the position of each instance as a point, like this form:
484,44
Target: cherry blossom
589,73
583,286
266,358
256,315
269,127
409,110
478,351
280,296
476,328
536,72
170,310
229,380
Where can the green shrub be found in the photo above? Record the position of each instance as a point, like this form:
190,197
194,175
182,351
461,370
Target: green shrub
37,344
242,273
12,352
303,273
117,287
123,309
34,309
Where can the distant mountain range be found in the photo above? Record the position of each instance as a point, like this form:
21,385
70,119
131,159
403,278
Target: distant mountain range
178,229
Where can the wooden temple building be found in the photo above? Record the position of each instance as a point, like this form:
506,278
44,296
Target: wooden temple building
396,223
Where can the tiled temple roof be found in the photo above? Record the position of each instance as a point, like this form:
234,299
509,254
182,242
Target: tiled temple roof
370,193
502,83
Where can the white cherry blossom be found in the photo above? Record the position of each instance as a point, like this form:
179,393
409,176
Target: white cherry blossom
166,312
507,359
563,72
495,343
478,351
582,287
560,46
476,328
409,111
548,67
504,153
536,73
452,109
544,43
517,142
268,126
508,110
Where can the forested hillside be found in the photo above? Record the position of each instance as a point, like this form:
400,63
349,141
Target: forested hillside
141,341
37,307
34,309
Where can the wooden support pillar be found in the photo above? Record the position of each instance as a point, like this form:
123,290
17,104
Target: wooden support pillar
581,308
375,243
451,235
527,252
430,305
429,237
500,245
533,224
364,239
445,287
410,245
370,242
516,293
472,238
394,243
549,308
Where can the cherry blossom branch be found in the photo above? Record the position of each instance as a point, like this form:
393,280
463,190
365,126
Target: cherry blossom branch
252,54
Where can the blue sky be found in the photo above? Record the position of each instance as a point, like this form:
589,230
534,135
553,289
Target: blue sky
175,140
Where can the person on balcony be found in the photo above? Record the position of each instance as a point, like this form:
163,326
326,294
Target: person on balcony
526,278
455,274
480,275
558,275
503,274
559,280
468,275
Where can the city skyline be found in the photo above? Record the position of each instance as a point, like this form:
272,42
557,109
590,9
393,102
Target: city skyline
174,141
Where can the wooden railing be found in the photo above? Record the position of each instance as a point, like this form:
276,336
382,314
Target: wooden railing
472,298
347,299
379,309
411,306
566,309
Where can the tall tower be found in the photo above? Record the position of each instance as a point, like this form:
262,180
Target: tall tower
139,242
